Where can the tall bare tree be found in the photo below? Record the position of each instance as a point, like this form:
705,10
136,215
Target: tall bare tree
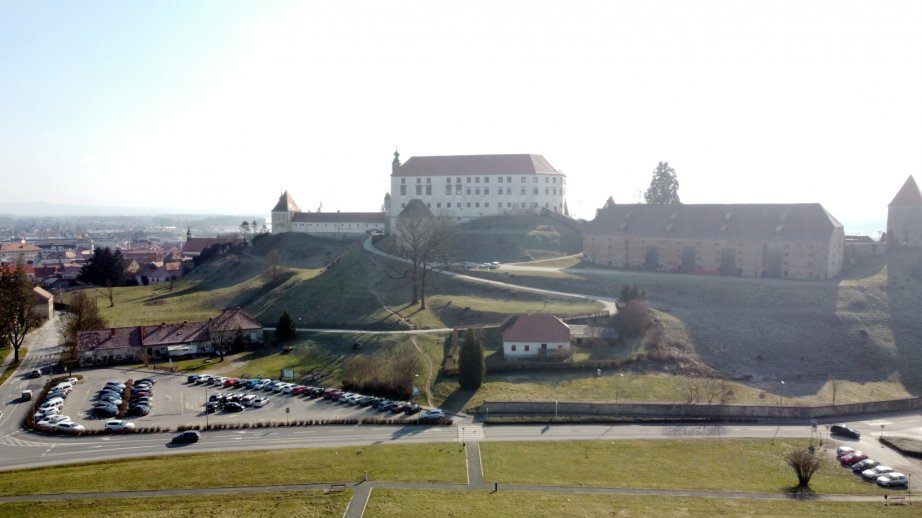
82,314
805,463
425,243
16,315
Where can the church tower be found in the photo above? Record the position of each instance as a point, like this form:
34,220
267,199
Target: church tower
904,217
282,213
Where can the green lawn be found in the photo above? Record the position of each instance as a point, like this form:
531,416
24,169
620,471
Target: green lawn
417,463
464,504
300,504
8,371
709,464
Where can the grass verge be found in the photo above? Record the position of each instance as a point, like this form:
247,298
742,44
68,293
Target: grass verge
385,502
706,464
11,368
301,504
408,463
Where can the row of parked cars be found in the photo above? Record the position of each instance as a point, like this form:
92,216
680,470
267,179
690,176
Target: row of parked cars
870,469
222,401
111,396
48,413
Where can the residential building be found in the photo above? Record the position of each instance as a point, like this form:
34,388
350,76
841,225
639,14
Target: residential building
466,187
796,241
536,336
13,252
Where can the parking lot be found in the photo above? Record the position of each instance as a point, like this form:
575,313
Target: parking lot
176,402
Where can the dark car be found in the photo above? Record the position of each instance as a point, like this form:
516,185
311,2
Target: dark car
104,412
187,437
398,407
412,408
844,431
213,406
149,381
316,392
233,407
138,410
35,374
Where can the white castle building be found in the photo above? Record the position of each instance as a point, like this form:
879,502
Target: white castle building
467,187
287,217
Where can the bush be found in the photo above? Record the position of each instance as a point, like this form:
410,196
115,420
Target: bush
471,366
285,329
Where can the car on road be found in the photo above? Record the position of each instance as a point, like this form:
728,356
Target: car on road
69,426
437,413
26,395
892,479
844,431
35,374
119,425
187,437
233,407
873,473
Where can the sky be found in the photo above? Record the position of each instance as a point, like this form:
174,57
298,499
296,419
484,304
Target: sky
216,106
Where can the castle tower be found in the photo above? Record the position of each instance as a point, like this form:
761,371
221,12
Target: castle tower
283,212
395,165
904,216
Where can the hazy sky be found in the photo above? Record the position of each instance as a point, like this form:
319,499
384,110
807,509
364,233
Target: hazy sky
216,106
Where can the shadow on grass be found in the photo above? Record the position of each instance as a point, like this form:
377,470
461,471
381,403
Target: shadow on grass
458,400
800,492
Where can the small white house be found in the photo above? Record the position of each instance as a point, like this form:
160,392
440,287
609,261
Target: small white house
536,336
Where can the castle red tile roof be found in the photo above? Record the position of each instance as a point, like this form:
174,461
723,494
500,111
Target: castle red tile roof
475,165
537,328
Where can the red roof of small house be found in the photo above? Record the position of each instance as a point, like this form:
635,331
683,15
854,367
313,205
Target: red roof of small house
170,334
28,268
18,247
195,245
115,338
40,293
234,319
537,328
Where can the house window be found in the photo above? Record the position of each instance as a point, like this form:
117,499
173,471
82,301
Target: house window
535,180
468,190
448,205
527,347
486,204
508,179
447,179
458,180
403,190
546,191
523,179
554,180
536,191
476,204
428,180
513,347
468,179
438,205
468,204
419,180
403,180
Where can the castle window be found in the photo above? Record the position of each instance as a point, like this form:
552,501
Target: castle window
508,179
447,179
403,190
457,190
500,179
523,179
509,191
448,190
403,180
428,190
458,180
546,191
468,204
476,204
419,180
476,179
508,204
534,180
486,190
536,192
468,179
547,179
428,180
486,179
468,191
419,190
448,205
523,191
477,191
523,204
554,180
486,204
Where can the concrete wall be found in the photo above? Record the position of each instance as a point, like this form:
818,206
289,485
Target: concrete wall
653,410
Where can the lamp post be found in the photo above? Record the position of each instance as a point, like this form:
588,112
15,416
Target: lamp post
781,392
206,408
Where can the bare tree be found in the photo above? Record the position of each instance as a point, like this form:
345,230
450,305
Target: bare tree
16,299
805,463
274,266
81,315
425,243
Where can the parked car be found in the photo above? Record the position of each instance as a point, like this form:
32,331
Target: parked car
366,401
231,382
412,408
55,402
399,407
865,464
104,412
69,426
213,406
72,381
63,385
116,384
247,399
53,420
316,392
843,450
853,458
115,400
151,381
298,390
35,374
55,393
193,378
844,431
233,407
260,401
138,410
119,425
436,413
218,396
873,473
187,437
202,380
892,479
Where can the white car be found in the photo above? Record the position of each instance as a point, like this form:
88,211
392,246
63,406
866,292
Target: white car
288,388
873,473
63,385
72,381
42,414
69,425
260,401
117,425
247,399
51,403
436,413
892,479
53,420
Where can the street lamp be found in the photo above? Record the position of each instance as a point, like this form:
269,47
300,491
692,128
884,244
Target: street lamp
781,392
620,375
206,408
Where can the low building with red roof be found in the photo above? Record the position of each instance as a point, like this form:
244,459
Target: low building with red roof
536,336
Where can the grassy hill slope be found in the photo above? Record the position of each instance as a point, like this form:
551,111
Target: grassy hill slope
517,238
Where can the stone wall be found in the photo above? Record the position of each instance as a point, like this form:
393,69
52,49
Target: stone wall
663,410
